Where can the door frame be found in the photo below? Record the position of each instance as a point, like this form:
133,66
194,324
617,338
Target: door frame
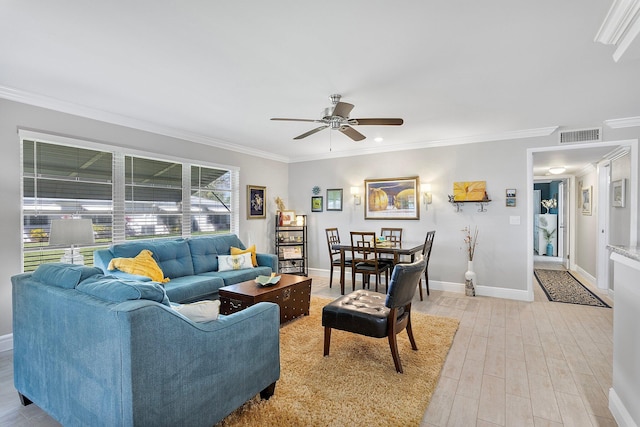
632,144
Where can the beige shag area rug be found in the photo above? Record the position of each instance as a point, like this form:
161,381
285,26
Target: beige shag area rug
357,384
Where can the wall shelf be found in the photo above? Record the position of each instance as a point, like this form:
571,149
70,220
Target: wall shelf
482,203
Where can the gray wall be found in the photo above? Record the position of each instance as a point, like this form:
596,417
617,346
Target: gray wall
253,171
587,225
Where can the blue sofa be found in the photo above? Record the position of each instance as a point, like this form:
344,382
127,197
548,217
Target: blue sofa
94,350
191,264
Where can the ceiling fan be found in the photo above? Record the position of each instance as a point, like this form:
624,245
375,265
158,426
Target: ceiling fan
337,117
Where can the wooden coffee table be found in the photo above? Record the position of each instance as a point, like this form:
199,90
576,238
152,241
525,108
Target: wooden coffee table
292,293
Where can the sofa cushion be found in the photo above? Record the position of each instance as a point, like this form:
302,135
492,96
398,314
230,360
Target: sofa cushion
234,262
142,264
173,256
251,249
203,254
193,288
118,290
63,275
224,242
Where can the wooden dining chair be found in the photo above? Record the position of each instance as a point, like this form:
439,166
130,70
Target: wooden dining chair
426,254
366,259
392,235
333,238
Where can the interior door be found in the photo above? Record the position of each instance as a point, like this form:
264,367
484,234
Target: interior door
602,256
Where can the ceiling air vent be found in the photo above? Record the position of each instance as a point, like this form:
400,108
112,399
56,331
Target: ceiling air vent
580,135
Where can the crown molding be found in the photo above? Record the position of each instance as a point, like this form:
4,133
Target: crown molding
117,119
519,134
628,122
621,27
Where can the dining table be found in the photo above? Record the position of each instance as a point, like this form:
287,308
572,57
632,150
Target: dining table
398,249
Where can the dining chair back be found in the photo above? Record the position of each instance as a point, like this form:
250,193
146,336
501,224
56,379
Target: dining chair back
426,254
333,238
393,235
366,260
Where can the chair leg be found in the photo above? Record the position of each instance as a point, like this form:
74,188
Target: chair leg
410,333
426,280
331,276
420,289
327,340
393,345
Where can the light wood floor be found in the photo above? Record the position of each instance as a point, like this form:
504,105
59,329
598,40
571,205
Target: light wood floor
512,363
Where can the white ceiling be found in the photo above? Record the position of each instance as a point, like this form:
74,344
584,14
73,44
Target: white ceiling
216,72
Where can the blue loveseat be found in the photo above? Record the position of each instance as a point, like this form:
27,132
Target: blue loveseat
191,264
94,350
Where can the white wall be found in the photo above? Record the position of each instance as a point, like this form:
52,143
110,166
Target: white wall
586,226
253,170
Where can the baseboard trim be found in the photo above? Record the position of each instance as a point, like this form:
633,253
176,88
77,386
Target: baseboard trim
619,411
486,291
6,342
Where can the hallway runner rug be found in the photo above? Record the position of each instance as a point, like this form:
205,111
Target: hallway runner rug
561,286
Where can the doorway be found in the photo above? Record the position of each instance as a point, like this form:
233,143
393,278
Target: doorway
575,158
551,225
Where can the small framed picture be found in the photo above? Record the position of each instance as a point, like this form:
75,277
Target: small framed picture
511,192
586,201
334,199
256,199
288,217
618,190
511,202
316,204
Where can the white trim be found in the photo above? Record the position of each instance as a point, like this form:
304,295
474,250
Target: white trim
620,26
591,280
6,342
623,123
619,411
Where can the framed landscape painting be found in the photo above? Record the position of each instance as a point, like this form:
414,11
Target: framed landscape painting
334,199
256,200
392,198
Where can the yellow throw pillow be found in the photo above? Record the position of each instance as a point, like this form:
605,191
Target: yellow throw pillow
142,265
251,249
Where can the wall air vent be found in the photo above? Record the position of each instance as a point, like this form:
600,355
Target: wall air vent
580,135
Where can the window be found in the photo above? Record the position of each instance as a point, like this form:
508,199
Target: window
126,196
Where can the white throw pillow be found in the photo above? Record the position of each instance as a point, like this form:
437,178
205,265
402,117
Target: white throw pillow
234,262
201,311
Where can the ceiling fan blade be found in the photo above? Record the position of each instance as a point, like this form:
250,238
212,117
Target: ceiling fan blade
342,109
311,132
351,133
381,122
298,120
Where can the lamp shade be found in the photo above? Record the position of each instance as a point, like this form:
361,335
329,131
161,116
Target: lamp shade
70,232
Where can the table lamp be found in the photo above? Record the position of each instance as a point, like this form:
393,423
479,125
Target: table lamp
71,232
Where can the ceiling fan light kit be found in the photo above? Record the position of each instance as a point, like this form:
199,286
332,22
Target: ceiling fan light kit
337,118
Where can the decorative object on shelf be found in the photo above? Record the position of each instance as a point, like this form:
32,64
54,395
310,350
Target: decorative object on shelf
334,199
392,198
618,192
280,204
549,204
510,202
470,191
315,190
287,218
471,241
316,204
586,201
256,202
511,192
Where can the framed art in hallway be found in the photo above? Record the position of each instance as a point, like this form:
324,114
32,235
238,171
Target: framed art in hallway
618,189
256,200
586,201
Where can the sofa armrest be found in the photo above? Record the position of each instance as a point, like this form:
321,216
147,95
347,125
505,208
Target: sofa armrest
268,260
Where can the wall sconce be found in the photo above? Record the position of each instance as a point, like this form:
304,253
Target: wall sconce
355,192
426,193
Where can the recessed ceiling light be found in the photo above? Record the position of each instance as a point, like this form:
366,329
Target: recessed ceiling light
378,139
557,170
